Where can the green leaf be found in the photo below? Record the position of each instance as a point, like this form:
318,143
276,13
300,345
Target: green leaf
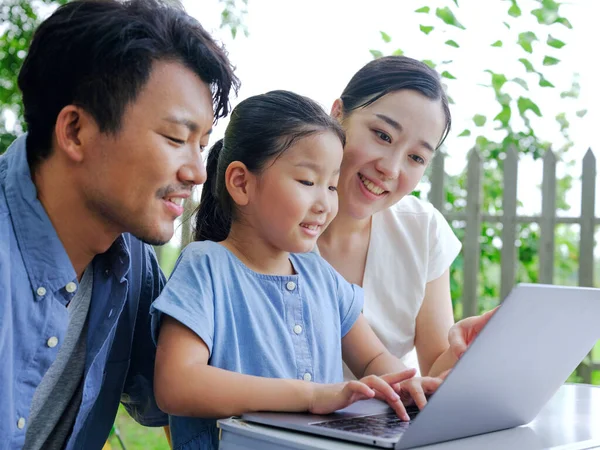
456,2
465,133
506,24
525,40
424,9
448,75
376,53
426,29
398,52
429,62
550,61
386,37
504,115
521,82
581,112
528,66
498,80
479,120
497,44
452,43
564,21
544,82
526,104
448,17
514,9
556,43
545,16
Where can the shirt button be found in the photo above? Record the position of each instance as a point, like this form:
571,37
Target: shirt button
52,342
297,329
307,377
290,286
71,287
21,423
41,291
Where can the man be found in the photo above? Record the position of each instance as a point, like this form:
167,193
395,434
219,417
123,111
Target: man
120,99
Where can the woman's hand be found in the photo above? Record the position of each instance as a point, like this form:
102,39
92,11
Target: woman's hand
463,332
327,398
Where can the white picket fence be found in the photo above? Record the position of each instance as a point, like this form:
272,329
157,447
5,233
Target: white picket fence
547,220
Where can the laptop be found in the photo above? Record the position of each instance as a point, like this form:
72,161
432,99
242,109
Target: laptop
527,350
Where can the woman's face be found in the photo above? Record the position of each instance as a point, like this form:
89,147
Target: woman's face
389,144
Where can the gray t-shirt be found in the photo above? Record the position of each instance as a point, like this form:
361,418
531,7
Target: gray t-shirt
56,400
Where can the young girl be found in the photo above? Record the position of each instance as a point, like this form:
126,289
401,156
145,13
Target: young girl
251,319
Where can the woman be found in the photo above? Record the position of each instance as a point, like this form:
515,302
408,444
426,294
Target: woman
397,247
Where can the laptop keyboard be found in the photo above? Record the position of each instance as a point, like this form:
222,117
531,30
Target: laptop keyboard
386,425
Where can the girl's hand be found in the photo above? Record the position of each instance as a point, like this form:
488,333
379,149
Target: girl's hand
327,398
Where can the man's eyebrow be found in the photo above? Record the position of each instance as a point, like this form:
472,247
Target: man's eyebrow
190,124
394,124
313,166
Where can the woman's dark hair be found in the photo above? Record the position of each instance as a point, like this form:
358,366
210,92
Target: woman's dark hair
261,128
98,54
393,73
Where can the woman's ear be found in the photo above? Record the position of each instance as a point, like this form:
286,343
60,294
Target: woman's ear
237,181
337,110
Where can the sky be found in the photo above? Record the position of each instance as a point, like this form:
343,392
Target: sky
313,47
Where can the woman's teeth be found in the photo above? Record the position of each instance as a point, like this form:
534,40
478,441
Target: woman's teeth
370,186
310,227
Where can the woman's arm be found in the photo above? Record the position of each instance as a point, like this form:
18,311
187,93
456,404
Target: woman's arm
185,385
365,354
433,322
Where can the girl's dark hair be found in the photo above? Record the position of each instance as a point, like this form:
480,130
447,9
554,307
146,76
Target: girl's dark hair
393,73
260,129
98,54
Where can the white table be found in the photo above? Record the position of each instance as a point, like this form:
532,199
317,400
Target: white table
570,421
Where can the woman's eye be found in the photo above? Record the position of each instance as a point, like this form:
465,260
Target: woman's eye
383,136
306,183
417,159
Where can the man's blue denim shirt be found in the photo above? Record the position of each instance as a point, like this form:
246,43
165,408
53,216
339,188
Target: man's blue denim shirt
34,270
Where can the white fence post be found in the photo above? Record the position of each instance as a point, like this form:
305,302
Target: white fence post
509,223
548,219
471,245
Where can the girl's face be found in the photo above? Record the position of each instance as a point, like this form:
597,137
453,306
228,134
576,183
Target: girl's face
296,196
389,144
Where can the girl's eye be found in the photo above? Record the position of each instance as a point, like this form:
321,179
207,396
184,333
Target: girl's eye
383,136
202,148
417,159
306,183
333,188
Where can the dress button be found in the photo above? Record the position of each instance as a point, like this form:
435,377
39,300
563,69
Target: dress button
297,329
41,291
71,287
52,342
307,377
21,423
290,286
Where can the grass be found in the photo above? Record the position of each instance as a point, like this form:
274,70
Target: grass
135,436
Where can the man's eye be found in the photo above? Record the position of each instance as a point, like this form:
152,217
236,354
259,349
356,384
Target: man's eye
175,140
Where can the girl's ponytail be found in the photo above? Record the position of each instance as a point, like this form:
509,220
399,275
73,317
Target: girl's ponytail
213,220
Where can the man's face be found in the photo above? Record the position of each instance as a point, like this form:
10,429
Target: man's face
136,181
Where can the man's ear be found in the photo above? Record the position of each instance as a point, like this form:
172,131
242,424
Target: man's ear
73,129
337,110
238,181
